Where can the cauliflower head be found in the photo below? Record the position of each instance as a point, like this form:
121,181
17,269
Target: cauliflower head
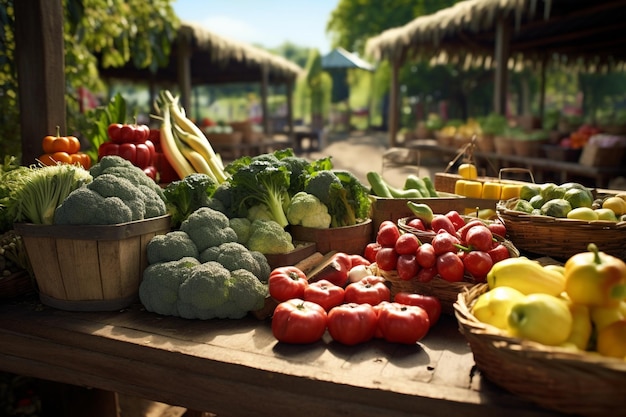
307,210
268,237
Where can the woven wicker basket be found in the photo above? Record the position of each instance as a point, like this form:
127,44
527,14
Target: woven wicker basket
560,238
16,284
570,382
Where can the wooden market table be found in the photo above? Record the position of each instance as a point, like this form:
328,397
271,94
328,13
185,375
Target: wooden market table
237,368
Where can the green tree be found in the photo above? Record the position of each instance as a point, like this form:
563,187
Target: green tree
112,31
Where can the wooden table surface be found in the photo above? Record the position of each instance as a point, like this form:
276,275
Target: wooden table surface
237,368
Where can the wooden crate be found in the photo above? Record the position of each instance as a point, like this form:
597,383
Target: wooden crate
347,239
90,268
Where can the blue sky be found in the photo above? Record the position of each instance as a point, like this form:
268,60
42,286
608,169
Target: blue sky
268,23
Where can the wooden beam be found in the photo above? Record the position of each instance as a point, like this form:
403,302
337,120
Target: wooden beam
40,58
501,54
264,95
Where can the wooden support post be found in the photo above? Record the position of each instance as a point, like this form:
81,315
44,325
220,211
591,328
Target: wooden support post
394,103
40,57
290,88
184,71
264,93
503,34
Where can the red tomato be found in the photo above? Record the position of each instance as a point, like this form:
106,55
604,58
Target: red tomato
450,267
114,132
356,260
441,222
463,230
427,274
497,228
387,258
426,256
399,323
416,223
407,244
478,264
369,290
324,293
479,238
498,253
352,323
299,321
370,251
431,304
456,219
387,235
444,242
287,282
407,267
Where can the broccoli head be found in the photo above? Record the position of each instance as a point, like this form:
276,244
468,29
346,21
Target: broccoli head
233,256
188,194
307,210
118,166
264,266
205,290
262,182
109,185
158,291
241,226
171,246
208,227
155,206
246,293
84,206
268,237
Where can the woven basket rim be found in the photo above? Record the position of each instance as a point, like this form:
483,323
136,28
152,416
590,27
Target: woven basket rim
524,349
503,211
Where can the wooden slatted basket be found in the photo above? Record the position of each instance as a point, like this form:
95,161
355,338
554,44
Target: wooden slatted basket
560,238
92,267
577,383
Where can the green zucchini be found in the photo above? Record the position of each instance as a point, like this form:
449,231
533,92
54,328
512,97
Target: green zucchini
430,187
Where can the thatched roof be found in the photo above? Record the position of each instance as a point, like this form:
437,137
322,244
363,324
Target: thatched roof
587,34
214,60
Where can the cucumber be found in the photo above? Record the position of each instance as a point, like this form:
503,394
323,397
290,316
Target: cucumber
413,182
430,187
421,211
378,185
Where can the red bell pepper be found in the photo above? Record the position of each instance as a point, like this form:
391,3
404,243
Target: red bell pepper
139,154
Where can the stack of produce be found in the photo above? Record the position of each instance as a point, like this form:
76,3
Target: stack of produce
131,142
580,306
457,255
63,150
349,302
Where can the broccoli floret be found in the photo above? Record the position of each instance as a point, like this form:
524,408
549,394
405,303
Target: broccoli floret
108,185
158,291
205,290
319,185
246,293
233,256
223,195
307,210
268,237
116,165
155,206
264,267
208,227
241,226
186,195
262,182
87,207
171,246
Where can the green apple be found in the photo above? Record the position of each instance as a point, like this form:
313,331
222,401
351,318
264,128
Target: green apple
542,318
494,306
606,214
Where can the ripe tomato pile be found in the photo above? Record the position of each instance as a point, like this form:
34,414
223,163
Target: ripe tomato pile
353,310
457,249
